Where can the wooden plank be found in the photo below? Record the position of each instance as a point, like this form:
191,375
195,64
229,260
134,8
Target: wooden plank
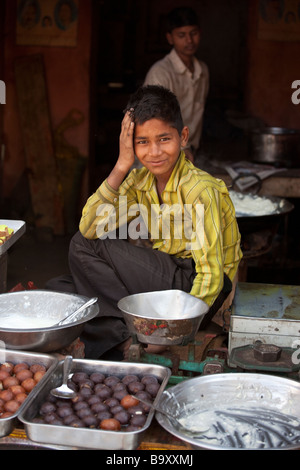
2,148
37,136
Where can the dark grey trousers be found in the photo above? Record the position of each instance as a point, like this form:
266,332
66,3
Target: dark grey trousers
112,269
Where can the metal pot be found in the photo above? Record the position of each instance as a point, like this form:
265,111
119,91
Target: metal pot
42,304
276,145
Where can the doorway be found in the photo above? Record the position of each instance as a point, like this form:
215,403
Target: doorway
128,36
2,147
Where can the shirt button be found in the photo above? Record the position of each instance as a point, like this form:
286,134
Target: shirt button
115,199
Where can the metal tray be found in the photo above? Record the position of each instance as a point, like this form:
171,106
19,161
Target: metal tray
50,362
19,228
84,437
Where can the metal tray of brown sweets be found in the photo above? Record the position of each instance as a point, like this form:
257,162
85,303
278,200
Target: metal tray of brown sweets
7,424
83,437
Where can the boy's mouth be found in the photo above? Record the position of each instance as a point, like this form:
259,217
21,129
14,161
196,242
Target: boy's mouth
156,163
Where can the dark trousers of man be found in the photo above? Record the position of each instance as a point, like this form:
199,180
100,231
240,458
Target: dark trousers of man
111,269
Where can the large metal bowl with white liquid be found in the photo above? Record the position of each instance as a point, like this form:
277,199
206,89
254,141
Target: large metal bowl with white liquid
28,319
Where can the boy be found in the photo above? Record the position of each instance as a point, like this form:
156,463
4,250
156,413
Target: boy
181,72
188,214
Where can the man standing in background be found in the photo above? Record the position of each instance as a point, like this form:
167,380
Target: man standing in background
182,73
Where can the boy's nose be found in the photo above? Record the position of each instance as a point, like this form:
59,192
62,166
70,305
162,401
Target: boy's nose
154,149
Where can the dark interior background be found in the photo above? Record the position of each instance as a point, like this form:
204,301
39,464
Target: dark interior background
117,42
129,36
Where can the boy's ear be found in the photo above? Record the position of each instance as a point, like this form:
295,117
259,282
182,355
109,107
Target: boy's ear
184,136
170,38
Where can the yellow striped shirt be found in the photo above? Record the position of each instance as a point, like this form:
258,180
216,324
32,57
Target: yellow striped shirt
196,219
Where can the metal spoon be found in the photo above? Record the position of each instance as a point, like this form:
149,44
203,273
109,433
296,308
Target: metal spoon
155,407
63,391
172,418
72,315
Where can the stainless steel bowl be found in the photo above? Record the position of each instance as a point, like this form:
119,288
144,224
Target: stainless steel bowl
163,317
235,411
39,305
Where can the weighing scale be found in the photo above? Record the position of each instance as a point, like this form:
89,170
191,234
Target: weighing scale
264,331
264,336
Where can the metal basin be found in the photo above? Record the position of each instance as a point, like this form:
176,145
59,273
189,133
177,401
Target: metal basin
40,307
251,222
235,411
163,317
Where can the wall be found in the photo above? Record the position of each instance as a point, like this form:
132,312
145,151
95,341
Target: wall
272,67
67,71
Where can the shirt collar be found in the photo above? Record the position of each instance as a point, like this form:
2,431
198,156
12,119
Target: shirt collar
148,179
181,68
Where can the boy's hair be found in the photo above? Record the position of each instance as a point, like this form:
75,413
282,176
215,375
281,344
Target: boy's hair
182,16
155,102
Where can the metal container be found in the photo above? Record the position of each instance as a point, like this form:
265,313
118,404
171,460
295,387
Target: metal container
276,145
249,223
42,304
19,228
50,362
163,317
84,437
235,411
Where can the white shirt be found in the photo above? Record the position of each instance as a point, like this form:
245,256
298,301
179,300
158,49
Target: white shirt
190,88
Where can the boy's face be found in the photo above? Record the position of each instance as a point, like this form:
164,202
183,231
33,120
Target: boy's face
157,145
185,40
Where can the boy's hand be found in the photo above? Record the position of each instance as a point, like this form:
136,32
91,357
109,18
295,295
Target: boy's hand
126,153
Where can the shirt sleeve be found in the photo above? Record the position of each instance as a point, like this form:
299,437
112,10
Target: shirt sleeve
215,247
107,209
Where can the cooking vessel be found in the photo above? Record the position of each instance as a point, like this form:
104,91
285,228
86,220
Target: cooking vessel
37,306
276,145
254,223
163,317
235,411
